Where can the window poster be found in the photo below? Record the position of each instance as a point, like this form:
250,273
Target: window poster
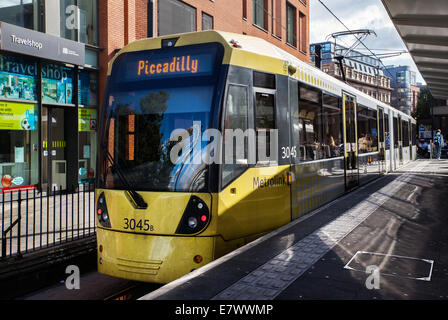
86,118
17,78
17,116
57,84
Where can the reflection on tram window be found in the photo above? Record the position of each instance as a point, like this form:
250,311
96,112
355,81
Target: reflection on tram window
367,130
332,144
236,117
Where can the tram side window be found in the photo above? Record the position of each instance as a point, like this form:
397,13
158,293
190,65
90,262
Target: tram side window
414,134
264,123
236,117
332,131
386,131
396,137
367,130
373,126
310,125
364,139
405,127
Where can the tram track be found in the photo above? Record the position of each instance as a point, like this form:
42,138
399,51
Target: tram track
133,292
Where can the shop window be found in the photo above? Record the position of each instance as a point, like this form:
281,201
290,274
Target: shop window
22,13
88,88
87,118
17,78
19,144
57,84
175,16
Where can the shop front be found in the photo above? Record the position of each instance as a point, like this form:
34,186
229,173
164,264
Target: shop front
48,112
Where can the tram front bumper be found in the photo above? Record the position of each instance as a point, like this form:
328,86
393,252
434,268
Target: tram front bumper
150,258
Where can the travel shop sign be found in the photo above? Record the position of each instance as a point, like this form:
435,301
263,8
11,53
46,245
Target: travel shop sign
42,45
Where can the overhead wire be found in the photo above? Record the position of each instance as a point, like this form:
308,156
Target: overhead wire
348,29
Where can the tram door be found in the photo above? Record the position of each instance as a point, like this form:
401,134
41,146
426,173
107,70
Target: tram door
350,142
381,141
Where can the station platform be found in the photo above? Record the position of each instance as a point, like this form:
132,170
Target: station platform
384,240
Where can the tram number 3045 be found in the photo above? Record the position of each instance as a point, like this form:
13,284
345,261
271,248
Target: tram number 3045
289,152
142,225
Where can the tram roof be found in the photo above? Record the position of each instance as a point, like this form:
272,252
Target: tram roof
259,54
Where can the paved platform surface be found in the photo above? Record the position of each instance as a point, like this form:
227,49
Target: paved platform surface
385,240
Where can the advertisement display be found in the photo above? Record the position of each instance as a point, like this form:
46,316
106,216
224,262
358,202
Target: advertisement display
87,119
57,84
17,78
17,116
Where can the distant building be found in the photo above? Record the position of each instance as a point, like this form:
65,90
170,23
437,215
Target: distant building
415,92
362,72
404,84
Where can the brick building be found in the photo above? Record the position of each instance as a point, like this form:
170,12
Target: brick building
281,22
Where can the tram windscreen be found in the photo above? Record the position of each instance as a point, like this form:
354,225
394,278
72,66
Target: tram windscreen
152,94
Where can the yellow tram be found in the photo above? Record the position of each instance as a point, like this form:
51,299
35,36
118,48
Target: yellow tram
158,219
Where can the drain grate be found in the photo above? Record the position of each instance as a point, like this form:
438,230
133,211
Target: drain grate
392,265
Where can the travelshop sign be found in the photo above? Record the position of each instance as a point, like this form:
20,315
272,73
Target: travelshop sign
38,44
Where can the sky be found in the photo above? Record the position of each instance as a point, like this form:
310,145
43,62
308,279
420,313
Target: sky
359,14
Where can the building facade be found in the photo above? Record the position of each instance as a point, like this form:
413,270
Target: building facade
362,72
284,23
415,92
402,81
48,93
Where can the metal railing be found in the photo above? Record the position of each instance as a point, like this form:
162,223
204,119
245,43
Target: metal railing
31,220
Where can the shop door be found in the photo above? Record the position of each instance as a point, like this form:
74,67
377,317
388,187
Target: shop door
350,142
54,143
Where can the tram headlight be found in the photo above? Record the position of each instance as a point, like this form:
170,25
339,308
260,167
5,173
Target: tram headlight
192,222
101,210
196,217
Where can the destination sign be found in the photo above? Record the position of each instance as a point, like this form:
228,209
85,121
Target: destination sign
177,65
165,64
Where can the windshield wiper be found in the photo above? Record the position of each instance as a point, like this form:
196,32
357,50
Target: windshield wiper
137,199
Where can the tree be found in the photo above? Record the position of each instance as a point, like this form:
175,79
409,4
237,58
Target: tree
425,102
